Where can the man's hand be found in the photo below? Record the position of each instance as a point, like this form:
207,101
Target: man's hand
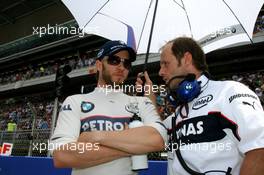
148,86
146,76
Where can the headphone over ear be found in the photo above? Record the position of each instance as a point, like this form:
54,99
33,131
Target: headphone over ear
188,89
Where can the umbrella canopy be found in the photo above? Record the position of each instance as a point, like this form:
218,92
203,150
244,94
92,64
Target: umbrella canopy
213,23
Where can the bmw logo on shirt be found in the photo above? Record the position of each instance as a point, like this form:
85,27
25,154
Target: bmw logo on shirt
87,106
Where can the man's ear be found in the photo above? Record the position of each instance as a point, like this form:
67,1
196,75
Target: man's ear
188,58
99,65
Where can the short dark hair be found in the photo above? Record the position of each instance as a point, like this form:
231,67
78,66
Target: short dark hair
182,45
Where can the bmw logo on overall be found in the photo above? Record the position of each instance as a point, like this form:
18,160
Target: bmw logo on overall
87,106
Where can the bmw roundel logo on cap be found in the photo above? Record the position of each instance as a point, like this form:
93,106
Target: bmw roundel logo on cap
87,106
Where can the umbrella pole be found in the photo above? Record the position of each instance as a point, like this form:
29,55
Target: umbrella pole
148,48
150,36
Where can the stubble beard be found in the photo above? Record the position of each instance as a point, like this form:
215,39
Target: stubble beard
108,80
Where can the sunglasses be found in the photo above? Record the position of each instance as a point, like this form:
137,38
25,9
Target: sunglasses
116,60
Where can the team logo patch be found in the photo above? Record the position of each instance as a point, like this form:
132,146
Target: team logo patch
233,97
66,108
87,106
132,108
201,102
103,123
249,104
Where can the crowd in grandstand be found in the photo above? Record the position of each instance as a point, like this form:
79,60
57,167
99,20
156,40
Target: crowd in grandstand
45,69
259,27
23,111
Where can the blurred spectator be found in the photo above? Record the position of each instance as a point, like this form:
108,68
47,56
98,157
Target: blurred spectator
72,63
11,126
44,124
80,63
258,91
37,72
259,27
91,62
42,71
86,61
3,125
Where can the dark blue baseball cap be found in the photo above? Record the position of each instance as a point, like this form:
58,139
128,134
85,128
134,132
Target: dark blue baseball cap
112,47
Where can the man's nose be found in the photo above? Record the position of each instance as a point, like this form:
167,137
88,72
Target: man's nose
161,72
121,66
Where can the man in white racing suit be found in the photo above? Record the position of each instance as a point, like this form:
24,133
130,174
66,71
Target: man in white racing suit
107,108
218,125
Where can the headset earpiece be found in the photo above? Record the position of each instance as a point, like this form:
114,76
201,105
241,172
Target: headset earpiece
187,90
